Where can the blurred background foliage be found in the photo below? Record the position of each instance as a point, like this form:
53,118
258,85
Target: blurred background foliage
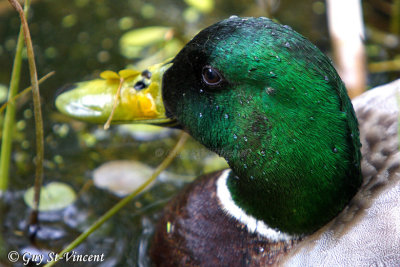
81,38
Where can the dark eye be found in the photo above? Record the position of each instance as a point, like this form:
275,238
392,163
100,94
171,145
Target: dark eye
211,76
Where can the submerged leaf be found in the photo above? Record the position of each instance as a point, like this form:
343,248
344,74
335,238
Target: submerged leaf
135,43
204,6
145,36
53,196
121,176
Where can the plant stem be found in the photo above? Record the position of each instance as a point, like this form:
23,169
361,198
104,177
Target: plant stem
9,120
384,66
114,107
164,164
36,108
395,17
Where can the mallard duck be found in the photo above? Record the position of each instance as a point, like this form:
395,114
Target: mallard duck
301,190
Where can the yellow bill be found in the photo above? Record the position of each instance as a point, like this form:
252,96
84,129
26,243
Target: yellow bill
129,96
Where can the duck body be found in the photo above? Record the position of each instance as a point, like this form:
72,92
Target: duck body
195,231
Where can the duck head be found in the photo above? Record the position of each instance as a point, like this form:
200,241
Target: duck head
268,101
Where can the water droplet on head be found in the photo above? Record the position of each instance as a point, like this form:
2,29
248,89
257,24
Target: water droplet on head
278,58
245,138
233,17
262,153
273,33
252,69
256,59
261,249
272,74
252,177
226,116
287,27
326,78
287,44
201,91
270,90
245,166
234,136
217,107
334,150
277,152
200,115
311,118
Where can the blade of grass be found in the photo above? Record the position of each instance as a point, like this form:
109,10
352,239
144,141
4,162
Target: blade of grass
164,164
26,90
9,119
38,115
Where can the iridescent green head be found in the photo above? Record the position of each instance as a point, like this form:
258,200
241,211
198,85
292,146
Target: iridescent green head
266,99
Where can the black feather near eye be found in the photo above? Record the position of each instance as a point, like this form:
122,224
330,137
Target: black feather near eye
211,76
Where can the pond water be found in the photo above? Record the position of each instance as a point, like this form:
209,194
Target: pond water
79,39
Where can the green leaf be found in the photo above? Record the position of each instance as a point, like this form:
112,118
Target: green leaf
204,6
109,75
145,36
128,73
3,93
53,196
